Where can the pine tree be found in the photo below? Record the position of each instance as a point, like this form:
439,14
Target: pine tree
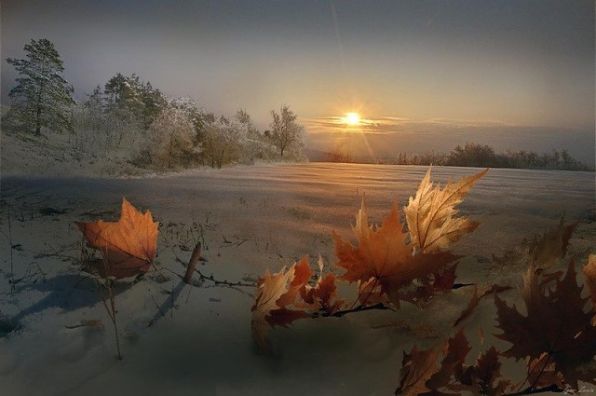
42,97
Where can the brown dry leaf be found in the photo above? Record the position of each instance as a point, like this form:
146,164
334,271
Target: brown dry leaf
556,323
542,373
422,374
384,256
442,281
128,246
483,378
431,213
271,287
286,296
323,295
547,249
452,363
417,368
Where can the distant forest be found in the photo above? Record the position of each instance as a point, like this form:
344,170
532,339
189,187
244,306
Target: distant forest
130,121
478,155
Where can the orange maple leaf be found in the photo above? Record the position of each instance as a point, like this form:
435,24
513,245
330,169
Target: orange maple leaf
286,296
323,295
128,246
384,255
274,293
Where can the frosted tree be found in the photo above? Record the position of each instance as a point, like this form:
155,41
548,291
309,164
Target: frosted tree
133,99
285,132
170,140
42,97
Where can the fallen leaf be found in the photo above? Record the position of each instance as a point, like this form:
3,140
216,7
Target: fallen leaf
128,246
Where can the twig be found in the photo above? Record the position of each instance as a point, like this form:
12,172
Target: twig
192,263
216,282
340,313
530,390
11,281
113,316
111,310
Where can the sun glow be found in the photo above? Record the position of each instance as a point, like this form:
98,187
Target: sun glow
352,119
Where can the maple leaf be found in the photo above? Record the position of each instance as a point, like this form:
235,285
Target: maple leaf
417,368
545,250
431,213
287,296
422,374
483,378
275,292
270,288
555,323
128,246
542,373
323,295
384,255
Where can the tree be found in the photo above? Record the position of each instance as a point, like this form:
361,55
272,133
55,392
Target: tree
223,142
170,140
131,98
285,132
42,97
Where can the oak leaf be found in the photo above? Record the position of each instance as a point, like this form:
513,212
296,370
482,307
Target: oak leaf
431,213
128,246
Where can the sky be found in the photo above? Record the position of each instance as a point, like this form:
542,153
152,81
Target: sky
429,73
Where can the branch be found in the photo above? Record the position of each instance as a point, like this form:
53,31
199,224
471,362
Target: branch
530,390
340,313
210,278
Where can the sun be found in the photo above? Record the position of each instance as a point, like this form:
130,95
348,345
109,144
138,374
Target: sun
352,118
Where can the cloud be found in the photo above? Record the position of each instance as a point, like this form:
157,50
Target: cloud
384,137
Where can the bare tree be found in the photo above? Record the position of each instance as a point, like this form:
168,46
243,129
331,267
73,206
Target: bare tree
285,131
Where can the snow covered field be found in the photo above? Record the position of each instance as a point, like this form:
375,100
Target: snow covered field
249,219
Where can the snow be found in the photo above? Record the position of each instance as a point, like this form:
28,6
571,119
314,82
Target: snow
272,215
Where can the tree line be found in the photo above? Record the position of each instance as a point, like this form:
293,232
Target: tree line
131,118
484,156
477,155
